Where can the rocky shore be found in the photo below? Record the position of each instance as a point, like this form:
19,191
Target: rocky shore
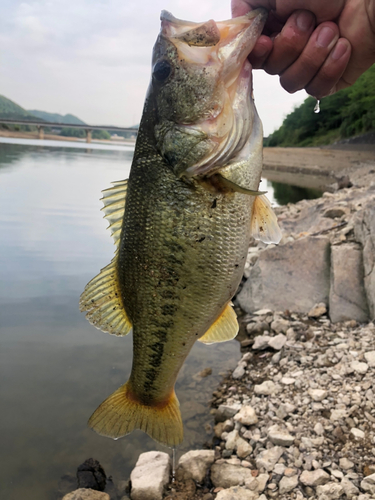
295,418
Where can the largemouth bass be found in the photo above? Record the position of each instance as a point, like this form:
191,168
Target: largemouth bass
183,220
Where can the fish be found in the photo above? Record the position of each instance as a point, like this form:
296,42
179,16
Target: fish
183,220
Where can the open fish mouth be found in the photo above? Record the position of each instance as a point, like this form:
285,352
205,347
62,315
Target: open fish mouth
223,47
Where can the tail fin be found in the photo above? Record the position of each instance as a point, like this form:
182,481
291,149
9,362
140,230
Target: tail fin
121,414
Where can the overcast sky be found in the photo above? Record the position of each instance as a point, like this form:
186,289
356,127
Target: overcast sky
92,58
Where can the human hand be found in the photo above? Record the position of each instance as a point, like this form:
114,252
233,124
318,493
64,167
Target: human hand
323,48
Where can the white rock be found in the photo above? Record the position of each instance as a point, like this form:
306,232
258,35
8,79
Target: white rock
226,411
319,429
267,388
357,433
261,342
287,484
318,394
345,464
368,484
277,342
243,448
359,367
239,372
314,478
337,415
258,483
330,491
288,380
280,436
279,469
86,494
237,493
370,358
284,410
350,489
318,310
246,416
150,475
231,440
280,325
194,465
268,458
227,475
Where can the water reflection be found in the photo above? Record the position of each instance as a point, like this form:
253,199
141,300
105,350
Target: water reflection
55,367
285,193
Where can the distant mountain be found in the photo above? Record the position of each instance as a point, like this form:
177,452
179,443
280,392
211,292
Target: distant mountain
56,117
9,110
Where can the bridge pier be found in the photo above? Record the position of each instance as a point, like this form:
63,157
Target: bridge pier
88,135
40,132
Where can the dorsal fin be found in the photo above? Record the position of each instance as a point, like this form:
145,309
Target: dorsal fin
224,328
114,207
264,226
101,299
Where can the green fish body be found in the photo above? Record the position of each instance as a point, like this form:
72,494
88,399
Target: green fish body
183,220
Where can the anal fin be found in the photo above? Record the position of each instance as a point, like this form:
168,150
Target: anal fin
224,328
264,226
101,299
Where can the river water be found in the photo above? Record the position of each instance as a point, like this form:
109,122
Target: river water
55,367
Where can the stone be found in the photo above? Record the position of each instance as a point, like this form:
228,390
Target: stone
359,367
277,342
338,414
194,465
317,311
237,493
280,325
246,416
86,494
231,440
357,433
288,380
243,448
314,478
280,436
370,358
91,475
350,489
334,212
285,410
261,342
330,491
226,411
345,463
364,231
368,484
239,372
317,394
258,483
268,458
301,269
347,298
287,484
227,475
267,388
150,476
319,429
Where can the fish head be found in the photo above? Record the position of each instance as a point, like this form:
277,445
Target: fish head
201,89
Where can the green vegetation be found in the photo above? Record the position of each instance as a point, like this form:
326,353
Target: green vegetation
344,114
56,117
9,110
78,132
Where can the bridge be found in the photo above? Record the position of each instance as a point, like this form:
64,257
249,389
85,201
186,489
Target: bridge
41,125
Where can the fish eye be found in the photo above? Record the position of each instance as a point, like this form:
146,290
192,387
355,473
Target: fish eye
161,70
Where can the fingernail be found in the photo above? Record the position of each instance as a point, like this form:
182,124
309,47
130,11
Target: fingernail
305,21
325,37
339,50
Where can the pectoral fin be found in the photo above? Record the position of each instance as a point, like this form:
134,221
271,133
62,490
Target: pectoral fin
264,226
223,329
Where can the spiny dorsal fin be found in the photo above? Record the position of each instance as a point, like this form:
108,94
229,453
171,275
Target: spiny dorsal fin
225,327
101,299
264,226
114,207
